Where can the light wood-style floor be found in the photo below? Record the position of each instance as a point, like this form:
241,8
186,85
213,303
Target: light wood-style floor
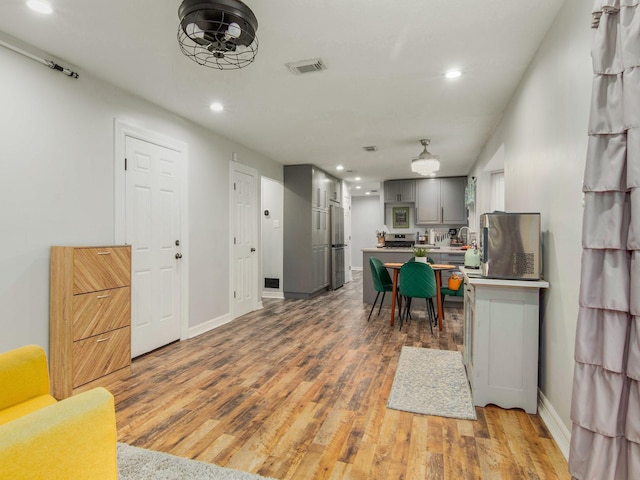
298,390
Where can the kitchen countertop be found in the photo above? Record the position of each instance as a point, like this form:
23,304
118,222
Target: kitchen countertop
444,249
472,277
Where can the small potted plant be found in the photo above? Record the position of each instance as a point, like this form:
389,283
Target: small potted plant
420,254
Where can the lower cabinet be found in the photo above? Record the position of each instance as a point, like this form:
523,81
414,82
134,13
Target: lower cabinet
501,342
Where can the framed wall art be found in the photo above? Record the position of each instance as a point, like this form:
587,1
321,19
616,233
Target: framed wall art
400,217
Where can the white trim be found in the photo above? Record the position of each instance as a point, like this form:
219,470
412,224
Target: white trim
234,166
270,294
356,269
209,325
121,131
554,424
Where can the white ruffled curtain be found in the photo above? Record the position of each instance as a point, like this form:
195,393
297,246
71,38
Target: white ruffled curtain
605,409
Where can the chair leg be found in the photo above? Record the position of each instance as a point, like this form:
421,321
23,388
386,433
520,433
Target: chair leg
428,314
381,302
373,306
433,312
408,310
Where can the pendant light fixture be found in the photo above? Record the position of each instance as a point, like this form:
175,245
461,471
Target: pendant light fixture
218,33
425,163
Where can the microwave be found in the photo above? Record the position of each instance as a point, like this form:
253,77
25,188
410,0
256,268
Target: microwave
510,246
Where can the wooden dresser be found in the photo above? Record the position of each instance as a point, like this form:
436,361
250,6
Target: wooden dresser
90,317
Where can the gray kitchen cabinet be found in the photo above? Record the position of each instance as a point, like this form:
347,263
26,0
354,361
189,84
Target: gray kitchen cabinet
452,200
335,191
319,188
399,191
306,231
428,209
441,201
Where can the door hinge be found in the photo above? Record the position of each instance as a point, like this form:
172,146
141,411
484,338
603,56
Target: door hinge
234,294
234,240
125,164
234,185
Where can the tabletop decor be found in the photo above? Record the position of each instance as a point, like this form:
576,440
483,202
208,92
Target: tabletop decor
400,217
432,382
420,254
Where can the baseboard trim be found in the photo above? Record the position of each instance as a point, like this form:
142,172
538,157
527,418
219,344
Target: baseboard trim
209,325
554,424
269,294
356,269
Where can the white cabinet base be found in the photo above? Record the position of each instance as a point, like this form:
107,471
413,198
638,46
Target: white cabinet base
501,342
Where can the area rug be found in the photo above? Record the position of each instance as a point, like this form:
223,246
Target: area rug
431,382
140,464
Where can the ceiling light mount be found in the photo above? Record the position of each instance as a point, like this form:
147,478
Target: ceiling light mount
218,33
425,163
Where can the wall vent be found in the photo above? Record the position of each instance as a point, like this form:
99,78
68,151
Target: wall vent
306,66
370,148
271,283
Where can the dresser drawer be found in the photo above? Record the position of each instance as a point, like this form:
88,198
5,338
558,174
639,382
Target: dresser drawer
97,356
99,312
100,268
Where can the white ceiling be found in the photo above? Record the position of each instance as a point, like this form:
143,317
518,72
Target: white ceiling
384,85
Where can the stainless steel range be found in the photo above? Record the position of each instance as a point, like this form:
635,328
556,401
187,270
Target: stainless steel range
399,240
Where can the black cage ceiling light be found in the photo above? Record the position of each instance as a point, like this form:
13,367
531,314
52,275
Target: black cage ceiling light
218,33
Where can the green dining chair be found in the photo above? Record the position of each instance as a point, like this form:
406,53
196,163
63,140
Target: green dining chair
382,282
417,280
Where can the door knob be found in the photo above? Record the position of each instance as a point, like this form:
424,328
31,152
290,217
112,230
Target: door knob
253,249
178,256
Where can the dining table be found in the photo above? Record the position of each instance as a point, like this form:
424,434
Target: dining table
437,270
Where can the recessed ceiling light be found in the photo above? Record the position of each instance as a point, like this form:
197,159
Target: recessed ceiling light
367,193
358,179
358,187
216,107
340,168
40,6
451,74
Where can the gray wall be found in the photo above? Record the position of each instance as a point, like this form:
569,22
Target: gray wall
366,218
544,133
57,188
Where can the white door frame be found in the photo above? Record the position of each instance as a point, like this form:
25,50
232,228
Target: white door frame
123,130
234,166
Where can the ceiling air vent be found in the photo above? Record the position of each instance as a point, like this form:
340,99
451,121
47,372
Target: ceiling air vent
306,66
370,148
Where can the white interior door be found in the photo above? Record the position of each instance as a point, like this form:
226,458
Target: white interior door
245,271
153,195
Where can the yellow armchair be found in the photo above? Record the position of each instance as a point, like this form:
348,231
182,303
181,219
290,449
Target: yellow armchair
41,438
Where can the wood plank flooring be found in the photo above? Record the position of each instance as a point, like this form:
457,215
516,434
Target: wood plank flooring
298,390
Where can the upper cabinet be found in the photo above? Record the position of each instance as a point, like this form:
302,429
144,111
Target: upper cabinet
327,190
335,191
400,191
440,201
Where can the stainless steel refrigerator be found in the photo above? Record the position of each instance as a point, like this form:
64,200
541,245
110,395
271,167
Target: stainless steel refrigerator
510,245
336,218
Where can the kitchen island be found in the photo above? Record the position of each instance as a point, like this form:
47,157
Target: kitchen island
501,323
443,255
